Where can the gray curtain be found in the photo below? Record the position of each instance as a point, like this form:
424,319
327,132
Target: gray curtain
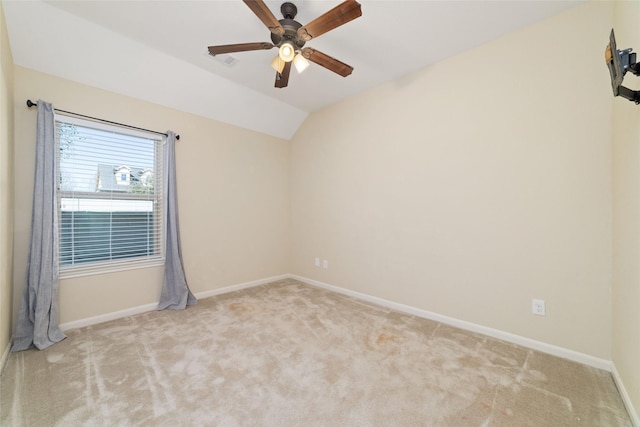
176,294
37,324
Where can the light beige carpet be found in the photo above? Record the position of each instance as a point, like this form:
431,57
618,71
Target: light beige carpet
288,354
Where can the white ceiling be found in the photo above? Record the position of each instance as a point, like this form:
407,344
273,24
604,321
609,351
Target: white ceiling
157,50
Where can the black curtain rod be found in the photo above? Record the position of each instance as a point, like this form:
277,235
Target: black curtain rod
33,104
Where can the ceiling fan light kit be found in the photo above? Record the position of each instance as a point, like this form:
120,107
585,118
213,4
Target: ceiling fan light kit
289,36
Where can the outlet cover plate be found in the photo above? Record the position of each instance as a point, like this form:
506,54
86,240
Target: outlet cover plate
537,307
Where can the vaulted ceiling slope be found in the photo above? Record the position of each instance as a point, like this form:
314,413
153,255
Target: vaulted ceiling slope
157,50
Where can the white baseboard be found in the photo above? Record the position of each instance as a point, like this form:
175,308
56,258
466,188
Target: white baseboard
240,286
625,396
462,324
94,320
5,355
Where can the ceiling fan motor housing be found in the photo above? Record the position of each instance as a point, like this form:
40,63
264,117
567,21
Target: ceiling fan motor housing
289,11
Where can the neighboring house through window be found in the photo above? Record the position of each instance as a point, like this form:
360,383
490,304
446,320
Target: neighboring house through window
111,205
123,175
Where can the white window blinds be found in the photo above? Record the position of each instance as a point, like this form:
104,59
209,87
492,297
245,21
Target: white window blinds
110,197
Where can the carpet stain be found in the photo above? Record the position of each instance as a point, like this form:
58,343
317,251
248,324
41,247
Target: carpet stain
385,338
385,341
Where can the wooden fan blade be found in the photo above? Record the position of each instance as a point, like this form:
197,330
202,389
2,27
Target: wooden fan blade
239,47
327,62
264,14
341,14
282,80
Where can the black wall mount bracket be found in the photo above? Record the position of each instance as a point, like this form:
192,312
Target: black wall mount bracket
619,63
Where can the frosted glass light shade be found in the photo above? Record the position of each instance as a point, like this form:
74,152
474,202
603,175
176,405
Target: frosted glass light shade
300,62
277,64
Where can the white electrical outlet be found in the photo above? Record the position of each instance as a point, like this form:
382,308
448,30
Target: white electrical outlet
317,262
325,264
537,307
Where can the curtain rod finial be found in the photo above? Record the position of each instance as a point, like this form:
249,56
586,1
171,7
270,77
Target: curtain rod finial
31,104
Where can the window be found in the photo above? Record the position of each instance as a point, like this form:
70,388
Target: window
110,197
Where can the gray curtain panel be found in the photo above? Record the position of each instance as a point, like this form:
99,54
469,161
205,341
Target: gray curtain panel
37,324
176,294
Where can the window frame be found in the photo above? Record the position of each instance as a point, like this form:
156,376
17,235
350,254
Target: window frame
158,203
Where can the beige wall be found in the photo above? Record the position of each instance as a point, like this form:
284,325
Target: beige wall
232,193
6,186
626,209
473,186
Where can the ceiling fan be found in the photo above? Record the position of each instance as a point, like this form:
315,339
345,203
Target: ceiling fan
289,36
